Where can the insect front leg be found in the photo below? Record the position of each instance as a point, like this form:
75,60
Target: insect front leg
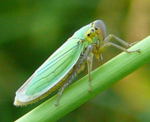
108,43
124,43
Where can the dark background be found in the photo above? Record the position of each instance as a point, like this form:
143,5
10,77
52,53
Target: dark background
31,30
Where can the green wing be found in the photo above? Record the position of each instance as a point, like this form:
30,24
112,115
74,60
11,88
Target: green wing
51,71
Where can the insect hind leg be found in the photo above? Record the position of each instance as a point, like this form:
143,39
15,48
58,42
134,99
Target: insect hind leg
89,66
61,90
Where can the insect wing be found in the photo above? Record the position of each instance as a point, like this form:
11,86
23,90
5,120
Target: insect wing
51,72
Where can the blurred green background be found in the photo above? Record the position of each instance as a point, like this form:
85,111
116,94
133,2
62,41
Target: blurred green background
31,30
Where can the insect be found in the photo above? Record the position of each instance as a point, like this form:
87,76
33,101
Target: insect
59,70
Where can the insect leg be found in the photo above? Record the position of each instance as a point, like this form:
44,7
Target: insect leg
108,43
61,90
89,65
119,47
88,55
110,36
101,58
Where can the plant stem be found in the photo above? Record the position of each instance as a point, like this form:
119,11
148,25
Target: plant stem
102,78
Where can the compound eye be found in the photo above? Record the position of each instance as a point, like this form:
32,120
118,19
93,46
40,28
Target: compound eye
88,34
96,28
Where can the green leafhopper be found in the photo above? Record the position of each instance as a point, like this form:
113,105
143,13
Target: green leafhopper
59,70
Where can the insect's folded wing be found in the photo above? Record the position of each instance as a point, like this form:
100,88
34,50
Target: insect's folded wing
50,72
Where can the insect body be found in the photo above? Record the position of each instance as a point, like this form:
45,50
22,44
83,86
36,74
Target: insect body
59,70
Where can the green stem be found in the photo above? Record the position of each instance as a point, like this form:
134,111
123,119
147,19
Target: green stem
102,78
